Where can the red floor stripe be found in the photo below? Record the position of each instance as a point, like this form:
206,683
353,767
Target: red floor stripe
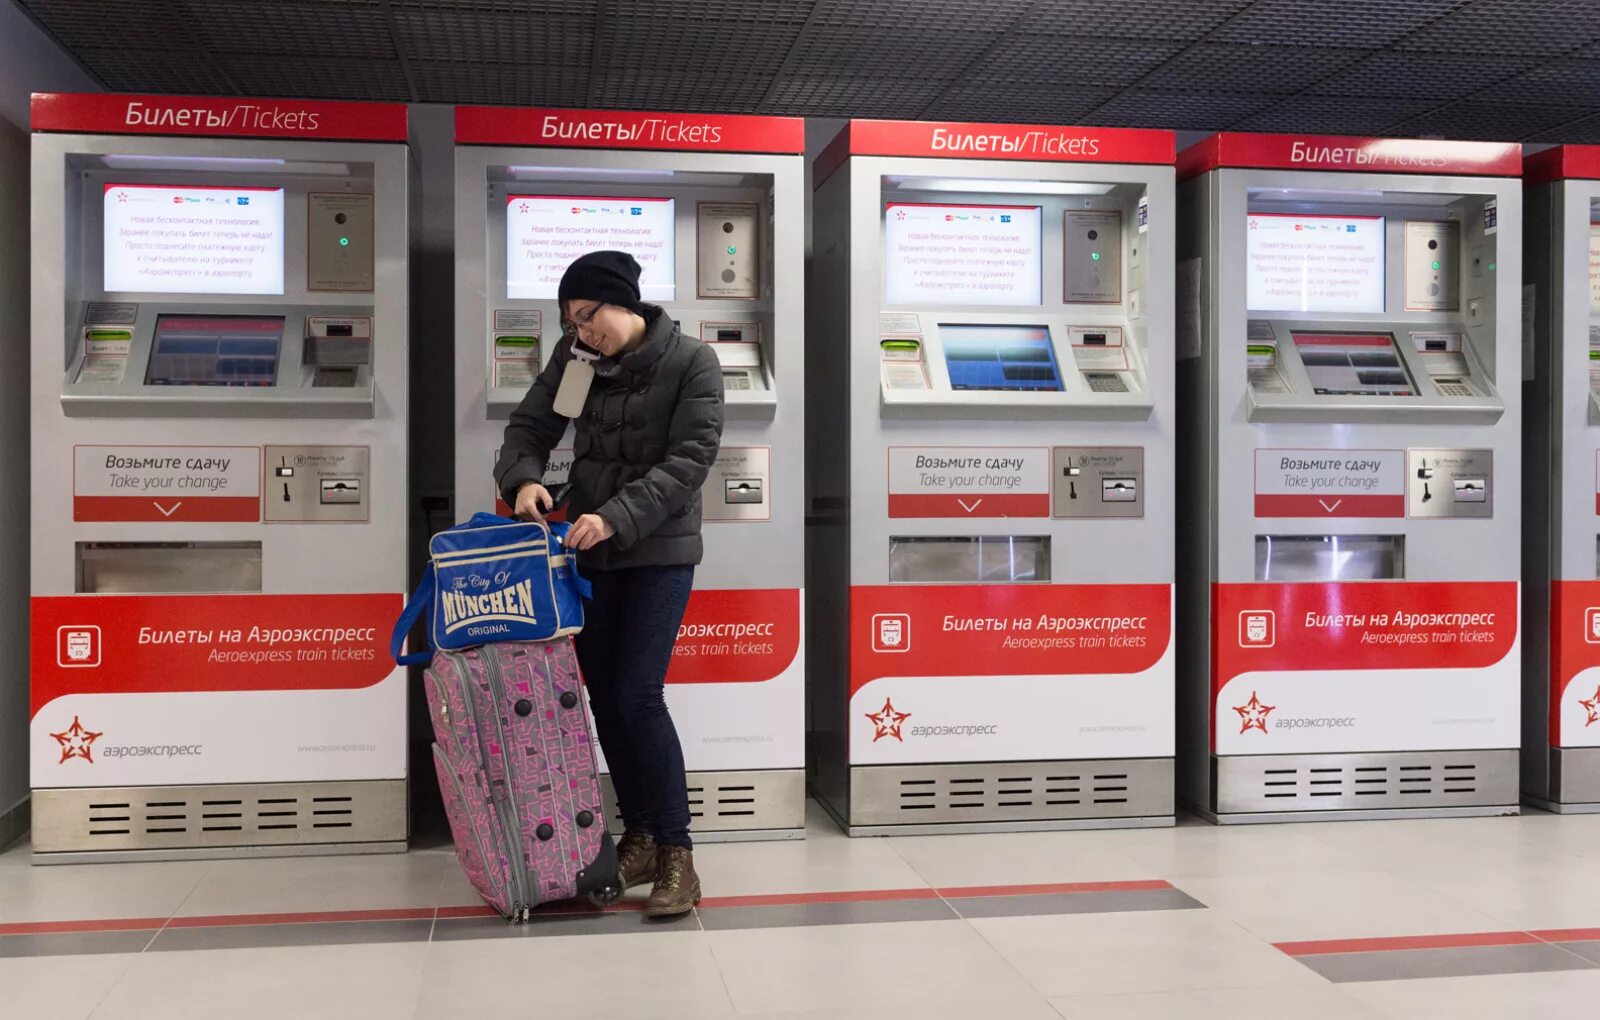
304,917
1056,889
1568,935
79,927
1405,942
796,899
471,911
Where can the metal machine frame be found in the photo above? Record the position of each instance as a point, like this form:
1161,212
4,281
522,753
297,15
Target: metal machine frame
1227,418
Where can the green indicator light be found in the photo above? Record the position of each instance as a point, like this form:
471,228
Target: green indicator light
344,242
1095,256
1436,263
1491,267
732,250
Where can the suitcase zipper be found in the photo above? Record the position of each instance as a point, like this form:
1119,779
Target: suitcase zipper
519,868
455,781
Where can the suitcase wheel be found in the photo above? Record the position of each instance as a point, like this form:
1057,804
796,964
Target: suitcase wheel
606,895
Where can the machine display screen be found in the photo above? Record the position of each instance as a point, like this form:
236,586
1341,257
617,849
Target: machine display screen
1354,364
1000,358
545,233
193,239
215,350
1314,263
962,254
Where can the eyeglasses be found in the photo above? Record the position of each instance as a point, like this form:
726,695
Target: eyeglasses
571,326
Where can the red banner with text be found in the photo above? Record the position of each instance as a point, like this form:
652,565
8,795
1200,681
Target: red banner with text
122,644
1006,630
740,636
1360,626
1574,648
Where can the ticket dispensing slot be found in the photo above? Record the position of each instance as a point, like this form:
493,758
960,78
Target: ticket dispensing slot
180,568
1297,558
969,559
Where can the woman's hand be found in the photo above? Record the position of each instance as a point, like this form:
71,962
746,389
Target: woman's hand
533,502
589,531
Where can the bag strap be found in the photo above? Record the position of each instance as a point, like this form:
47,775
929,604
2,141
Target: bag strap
419,603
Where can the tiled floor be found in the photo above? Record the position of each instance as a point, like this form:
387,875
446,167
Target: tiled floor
1470,918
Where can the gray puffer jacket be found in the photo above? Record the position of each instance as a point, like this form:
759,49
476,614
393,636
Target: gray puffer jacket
648,435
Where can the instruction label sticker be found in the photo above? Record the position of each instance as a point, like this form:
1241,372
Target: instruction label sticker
964,481
508,319
1330,483
165,484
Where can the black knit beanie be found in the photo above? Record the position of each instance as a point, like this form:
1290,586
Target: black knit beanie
608,276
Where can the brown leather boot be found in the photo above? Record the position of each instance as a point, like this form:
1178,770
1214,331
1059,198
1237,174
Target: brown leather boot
677,887
636,859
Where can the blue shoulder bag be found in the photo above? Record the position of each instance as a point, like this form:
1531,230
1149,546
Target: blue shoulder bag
494,579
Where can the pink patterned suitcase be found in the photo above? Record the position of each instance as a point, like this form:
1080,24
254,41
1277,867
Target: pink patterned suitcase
518,773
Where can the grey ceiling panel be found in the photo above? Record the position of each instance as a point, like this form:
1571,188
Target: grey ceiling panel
1539,28
1510,122
1407,76
1178,20
1359,24
1585,131
693,48
154,26
937,55
1009,105
478,36
1196,111
350,30
318,78
1067,60
1559,82
850,97
917,17
127,70
1337,115
505,8
759,12
499,85
1233,68
726,94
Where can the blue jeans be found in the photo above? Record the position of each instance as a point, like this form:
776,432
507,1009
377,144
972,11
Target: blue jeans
630,626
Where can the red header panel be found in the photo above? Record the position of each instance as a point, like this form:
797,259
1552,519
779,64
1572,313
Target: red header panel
613,129
1361,155
189,116
954,140
1563,163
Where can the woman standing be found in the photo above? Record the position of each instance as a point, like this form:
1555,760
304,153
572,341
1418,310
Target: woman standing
648,432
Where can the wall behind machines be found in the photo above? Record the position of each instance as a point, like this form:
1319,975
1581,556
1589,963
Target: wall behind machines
29,62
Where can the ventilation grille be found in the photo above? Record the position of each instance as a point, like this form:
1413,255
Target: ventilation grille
163,817
166,818
1360,782
1370,781
1020,791
735,801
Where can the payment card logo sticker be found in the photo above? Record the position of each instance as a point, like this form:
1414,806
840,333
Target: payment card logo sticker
1253,714
76,742
78,646
1591,625
1591,706
888,722
891,632
1257,629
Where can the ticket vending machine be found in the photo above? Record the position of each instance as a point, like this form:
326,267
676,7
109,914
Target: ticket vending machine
990,477
712,208
1561,448
218,476
1350,482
